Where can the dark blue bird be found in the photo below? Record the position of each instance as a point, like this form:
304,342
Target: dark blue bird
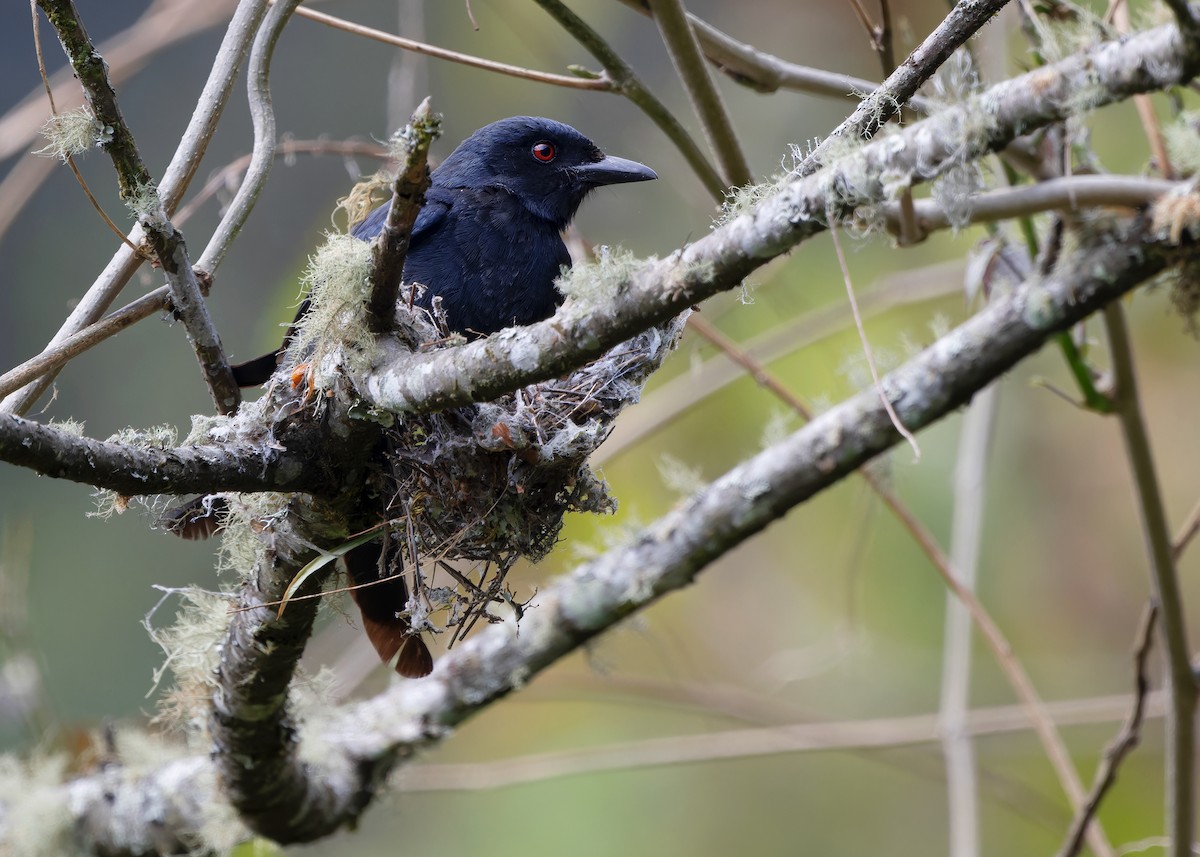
488,241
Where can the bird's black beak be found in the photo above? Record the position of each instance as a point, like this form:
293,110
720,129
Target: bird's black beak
613,170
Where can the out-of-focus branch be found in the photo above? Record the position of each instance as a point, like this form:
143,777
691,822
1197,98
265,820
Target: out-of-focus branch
174,182
764,72
884,733
958,751
262,114
671,17
598,84
162,25
1181,717
960,594
1125,742
628,84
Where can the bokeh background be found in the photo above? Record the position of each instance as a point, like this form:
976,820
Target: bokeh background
833,614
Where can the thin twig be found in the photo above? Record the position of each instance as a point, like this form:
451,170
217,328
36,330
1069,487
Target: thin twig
1145,106
1181,720
175,180
1062,194
868,353
884,733
68,157
884,38
262,112
966,536
55,356
137,189
595,84
1184,537
684,50
1125,742
764,72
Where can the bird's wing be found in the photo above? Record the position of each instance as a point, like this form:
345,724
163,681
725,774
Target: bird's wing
437,205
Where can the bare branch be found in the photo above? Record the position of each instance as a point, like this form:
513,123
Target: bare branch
137,189
628,84
174,183
1125,742
1181,718
671,17
597,84
765,72
262,113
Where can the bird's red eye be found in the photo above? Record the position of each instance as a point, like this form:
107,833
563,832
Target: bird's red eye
544,152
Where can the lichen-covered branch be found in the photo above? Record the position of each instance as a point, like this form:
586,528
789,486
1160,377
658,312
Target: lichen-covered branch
408,194
137,470
867,176
369,738
965,20
254,739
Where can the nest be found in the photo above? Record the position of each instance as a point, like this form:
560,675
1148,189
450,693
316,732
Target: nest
471,490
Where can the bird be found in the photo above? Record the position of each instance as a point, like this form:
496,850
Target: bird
487,242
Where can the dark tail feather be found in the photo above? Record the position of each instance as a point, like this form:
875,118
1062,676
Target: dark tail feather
195,519
389,634
258,371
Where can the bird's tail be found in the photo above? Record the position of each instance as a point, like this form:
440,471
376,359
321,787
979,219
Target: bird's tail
381,604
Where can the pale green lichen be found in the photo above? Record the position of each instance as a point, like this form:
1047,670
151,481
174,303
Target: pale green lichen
680,477
1183,143
602,281
338,279
191,645
145,203
72,133
75,428
36,820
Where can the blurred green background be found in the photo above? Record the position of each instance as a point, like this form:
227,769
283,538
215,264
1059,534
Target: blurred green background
832,614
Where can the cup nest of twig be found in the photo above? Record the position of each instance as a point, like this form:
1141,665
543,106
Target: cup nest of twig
474,489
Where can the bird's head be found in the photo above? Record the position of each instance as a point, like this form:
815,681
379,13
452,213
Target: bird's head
549,166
